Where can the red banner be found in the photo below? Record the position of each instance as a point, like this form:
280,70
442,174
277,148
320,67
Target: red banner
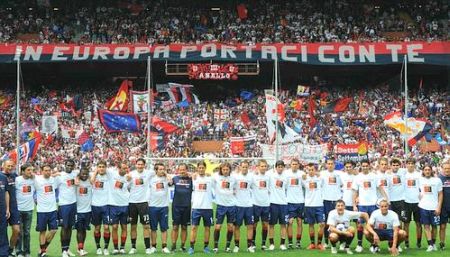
208,71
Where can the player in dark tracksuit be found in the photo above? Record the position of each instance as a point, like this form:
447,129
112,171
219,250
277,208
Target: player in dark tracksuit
14,219
4,216
445,210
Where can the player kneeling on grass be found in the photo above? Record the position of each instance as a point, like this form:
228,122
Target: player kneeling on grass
339,226
384,225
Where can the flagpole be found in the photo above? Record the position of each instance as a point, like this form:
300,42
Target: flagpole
149,111
18,51
406,104
276,113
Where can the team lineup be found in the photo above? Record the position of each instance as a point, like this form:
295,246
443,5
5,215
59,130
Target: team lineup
381,201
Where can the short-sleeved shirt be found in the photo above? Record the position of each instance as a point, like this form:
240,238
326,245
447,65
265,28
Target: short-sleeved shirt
334,218
380,221
182,191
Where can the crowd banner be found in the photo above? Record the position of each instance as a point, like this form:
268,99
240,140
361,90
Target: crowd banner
305,153
381,53
351,152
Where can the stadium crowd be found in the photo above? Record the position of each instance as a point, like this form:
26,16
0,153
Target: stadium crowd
164,22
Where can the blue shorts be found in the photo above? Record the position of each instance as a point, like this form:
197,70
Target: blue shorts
47,220
367,209
385,234
278,214
14,217
118,215
244,214
225,211
295,210
328,206
181,215
66,214
261,213
314,215
83,221
205,214
100,215
428,217
159,215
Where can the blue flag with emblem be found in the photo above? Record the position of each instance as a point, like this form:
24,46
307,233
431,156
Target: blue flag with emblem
119,121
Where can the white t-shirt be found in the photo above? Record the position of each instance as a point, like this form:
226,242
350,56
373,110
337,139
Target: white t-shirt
331,186
45,193
412,191
118,189
313,191
100,190
366,187
380,221
243,190
84,196
202,193
429,189
24,193
347,191
139,185
159,192
383,182
224,190
334,218
397,187
260,190
277,188
66,186
294,190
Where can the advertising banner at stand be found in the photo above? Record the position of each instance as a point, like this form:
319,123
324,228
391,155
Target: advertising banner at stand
351,152
206,71
435,53
305,153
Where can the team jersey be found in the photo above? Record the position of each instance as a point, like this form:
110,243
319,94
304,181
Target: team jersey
100,190
11,177
383,182
159,192
66,187
366,187
182,194
202,194
243,190
412,191
347,191
429,190
331,185
380,221
3,190
84,196
45,193
224,190
446,190
294,190
260,190
24,193
118,189
139,185
334,218
396,183
313,191
277,188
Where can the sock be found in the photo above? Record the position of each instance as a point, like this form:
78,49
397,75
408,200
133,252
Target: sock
236,243
154,245
290,240
229,237
174,247
123,240
271,241
80,246
360,235
205,244
216,238
106,238
264,236
441,244
282,241
348,241
249,243
312,237
116,243
419,240
407,242
390,244
133,243
192,244
326,234
147,242
430,242
254,235
164,246
434,240
43,248
299,238
97,236
319,239
333,244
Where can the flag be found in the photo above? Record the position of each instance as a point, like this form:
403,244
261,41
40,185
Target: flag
38,109
239,145
242,11
412,131
439,139
156,141
85,142
302,90
340,105
49,124
120,101
245,118
27,151
70,132
163,126
220,114
274,108
311,108
246,95
119,121
35,101
297,104
139,101
183,104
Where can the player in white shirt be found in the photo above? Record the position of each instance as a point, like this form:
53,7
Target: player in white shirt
202,206
119,183
244,206
84,200
339,226
382,175
314,214
384,225
397,185
412,177
159,207
47,216
430,204
138,208
347,177
278,205
224,187
99,206
261,201
366,187
296,201
331,190
25,203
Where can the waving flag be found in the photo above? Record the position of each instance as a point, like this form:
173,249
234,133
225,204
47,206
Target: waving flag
27,151
157,141
413,130
239,145
119,121
163,126
274,110
139,101
340,105
120,101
